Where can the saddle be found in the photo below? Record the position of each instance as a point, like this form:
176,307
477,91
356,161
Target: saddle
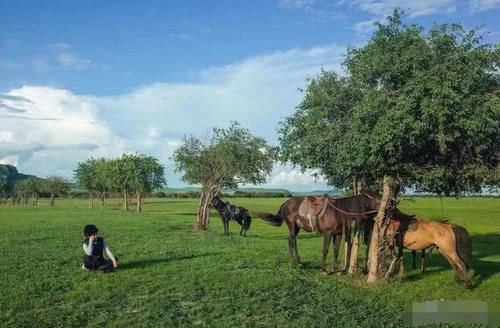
313,209
313,206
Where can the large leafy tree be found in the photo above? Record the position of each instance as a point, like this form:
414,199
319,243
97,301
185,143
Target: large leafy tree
415,108
229,157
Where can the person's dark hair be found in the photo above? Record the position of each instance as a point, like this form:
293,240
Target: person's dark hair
90,229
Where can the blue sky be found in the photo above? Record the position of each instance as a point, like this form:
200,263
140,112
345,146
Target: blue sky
98,78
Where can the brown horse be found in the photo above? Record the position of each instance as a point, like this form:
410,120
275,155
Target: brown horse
334,222
453,241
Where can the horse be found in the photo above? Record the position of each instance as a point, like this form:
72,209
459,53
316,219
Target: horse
453,242
334,221
228,212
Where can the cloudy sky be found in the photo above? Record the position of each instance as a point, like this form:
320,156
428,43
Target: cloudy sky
99,78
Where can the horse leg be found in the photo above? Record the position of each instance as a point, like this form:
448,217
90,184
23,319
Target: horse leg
401,261
422,261
327,237
414,258
347,249
241,230
297,257
458,266
337,239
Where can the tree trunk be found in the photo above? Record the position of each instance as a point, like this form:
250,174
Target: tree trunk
353,266
125,201
103,200
52,203
139,202
203,217
378,244
91,200
353,256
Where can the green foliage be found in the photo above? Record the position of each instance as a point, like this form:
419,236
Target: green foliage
56,186
172,276
231,156
421,107
86,174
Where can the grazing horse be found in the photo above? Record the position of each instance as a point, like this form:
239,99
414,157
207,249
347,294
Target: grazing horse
453,241
228,212
333,219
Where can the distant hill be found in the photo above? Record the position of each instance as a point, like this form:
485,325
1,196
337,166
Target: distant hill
10,173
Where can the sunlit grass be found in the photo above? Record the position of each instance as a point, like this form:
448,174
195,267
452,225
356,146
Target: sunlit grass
170,275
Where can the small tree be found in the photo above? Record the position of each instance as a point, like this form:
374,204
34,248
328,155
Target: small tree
104,178
86,175
56,186
33,186
148,174
230,157
122,176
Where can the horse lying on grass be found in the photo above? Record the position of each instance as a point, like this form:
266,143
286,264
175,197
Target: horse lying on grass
229,212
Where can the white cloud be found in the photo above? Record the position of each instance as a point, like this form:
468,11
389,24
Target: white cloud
258,92
71,61
60,56
365,27
483,5
297,4
56,129
294,179
380,8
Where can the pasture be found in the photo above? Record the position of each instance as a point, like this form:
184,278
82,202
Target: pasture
170,275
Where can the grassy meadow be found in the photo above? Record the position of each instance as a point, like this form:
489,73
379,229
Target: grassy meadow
171,276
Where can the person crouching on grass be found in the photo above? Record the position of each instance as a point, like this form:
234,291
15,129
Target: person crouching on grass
93,247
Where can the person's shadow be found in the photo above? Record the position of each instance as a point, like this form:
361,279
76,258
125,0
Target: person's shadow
148,262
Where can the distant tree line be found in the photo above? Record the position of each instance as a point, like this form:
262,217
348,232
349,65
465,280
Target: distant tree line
28,191
129,175
236,194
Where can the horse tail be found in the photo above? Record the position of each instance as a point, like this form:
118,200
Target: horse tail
463,245
275,220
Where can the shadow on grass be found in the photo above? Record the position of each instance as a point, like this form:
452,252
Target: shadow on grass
168,259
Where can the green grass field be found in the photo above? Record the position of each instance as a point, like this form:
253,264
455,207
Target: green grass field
171,276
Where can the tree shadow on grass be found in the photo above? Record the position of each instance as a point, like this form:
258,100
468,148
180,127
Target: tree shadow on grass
167,259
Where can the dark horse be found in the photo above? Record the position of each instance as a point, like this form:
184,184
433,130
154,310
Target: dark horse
334,221
228,212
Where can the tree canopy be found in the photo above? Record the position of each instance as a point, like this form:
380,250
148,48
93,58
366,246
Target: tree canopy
229,157
422,107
